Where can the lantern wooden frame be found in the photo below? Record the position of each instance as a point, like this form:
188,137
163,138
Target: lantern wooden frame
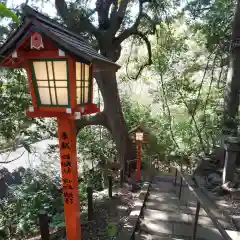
51,110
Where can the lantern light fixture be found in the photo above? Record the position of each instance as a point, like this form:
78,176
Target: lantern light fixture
51,82
139,136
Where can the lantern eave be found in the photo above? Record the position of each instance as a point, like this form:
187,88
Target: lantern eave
63,38
139,128
44,111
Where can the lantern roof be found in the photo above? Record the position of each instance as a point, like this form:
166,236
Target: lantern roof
139,128
61,36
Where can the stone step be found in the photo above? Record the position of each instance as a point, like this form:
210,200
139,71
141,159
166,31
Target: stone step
150,215
158,228
143,236
187,213
192,210
178,217
165,217
165,198
173,206
179,229
209,233
163,192
167,205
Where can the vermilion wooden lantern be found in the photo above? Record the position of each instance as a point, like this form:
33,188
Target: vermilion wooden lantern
139,136
139,133
60,66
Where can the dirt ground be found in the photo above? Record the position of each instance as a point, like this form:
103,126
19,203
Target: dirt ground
109,216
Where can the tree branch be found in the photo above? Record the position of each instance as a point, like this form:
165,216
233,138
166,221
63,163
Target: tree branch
85,24
152,22
5,162
207,98
117,17
113,10
168,110
103,11
133,29
122,8
192,116
149,62
98,119
201,84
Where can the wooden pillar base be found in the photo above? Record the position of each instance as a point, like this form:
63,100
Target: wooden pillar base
138,173
68,155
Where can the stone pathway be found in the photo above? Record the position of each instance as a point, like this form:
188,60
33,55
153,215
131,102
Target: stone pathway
166,217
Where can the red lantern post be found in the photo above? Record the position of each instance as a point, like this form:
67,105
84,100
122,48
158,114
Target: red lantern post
59,66
139,140
68,156
138,173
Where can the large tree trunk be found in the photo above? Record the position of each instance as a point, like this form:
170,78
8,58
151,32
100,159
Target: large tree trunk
231,98
113,114
233,84
110,18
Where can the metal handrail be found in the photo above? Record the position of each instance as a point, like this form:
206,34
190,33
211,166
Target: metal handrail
200,202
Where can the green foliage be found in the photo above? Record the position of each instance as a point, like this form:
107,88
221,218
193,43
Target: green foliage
14,99
136,113
20,208
37,191
7,13
95,144
111,229
9,20
58,220
16,128
214,20
189,88
91,178
187,85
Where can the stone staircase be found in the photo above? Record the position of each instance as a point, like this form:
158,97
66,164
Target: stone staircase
166,217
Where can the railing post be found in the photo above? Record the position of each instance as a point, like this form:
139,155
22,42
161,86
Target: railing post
121,178
90,203
196,221
180,190
129,170
175,181
44,225
110,186
167,161
150,162
205,204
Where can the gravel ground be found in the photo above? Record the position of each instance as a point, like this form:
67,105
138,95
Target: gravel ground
109,216
228,204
